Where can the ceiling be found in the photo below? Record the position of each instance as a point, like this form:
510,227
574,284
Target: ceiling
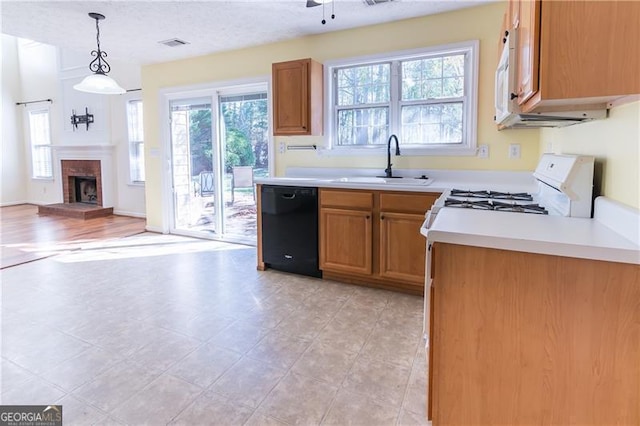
132,29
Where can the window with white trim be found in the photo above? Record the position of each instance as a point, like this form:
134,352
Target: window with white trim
427,97
40,141
136,141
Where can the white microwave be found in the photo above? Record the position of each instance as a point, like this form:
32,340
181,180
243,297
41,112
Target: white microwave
508,113
505,79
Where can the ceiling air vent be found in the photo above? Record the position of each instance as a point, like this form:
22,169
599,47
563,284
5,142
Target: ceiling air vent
374,2
173,42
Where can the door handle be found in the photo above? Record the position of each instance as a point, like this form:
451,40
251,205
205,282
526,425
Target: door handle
289,196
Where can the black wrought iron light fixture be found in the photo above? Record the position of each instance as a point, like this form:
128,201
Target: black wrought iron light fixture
99,82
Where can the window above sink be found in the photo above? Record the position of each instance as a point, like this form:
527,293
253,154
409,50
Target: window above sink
428,97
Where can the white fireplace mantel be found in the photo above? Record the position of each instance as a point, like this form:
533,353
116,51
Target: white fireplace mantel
102,152
83,149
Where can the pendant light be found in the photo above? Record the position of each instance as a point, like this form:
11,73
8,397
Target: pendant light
99,82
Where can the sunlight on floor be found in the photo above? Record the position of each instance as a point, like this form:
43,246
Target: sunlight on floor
143,245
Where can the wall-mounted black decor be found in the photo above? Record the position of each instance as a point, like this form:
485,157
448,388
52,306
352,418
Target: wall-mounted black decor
81,119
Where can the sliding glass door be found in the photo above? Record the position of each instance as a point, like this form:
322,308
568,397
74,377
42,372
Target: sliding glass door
219,144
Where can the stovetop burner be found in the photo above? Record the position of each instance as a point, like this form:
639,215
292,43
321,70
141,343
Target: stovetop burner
519,196
467,204
495,205
519,208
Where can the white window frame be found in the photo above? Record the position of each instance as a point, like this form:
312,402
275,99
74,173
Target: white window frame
32,146
468,147
131,144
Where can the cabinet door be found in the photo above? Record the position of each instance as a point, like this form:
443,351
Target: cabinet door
402,247
528,49
345,241
291,97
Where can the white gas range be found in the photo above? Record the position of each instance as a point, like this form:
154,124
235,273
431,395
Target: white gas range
565,188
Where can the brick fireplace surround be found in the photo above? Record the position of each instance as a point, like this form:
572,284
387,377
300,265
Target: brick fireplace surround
80,168
70,169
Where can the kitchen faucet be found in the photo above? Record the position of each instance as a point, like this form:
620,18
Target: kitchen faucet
388,172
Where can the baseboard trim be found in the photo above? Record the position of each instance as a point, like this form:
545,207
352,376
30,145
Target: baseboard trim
155,229
128,213
14,203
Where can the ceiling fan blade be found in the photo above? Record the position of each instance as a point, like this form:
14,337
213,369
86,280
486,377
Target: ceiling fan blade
312,3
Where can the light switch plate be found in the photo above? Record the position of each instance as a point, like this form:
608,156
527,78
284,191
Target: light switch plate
483,151
281,148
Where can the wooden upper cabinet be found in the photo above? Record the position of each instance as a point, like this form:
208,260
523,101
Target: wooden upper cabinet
576,55
527,19
297,98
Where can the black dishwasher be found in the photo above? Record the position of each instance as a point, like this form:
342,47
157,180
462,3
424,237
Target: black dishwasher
290,229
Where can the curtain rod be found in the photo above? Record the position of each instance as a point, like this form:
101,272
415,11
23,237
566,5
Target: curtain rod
33,102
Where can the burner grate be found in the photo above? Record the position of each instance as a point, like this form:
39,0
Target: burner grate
518,196
495,205
467,204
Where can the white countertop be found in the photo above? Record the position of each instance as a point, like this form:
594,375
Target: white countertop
554,235
439,180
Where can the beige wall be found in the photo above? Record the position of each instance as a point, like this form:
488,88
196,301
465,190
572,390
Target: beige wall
480,23
614,142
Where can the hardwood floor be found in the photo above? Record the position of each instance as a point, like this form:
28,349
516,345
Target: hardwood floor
26,236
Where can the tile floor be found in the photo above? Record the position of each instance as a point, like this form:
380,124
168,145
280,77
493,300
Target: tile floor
158,330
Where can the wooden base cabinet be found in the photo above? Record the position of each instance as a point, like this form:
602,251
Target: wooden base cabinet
522,339
402,249
346,236
373,237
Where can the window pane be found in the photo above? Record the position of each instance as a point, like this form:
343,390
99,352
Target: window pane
136,140
432,124
137,162
39,133
39,126
433,78
134,115
364,84
41,161
363,126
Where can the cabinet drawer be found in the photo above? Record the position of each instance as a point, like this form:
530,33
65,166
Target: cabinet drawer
348,199
409,203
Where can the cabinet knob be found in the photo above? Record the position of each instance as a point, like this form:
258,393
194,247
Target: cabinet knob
304,127
368,217
381,217
513,96
506,33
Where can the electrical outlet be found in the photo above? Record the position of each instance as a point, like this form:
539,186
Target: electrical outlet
483,151
514,151
281,148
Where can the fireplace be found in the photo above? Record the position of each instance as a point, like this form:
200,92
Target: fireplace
82,181
87,177
86,190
